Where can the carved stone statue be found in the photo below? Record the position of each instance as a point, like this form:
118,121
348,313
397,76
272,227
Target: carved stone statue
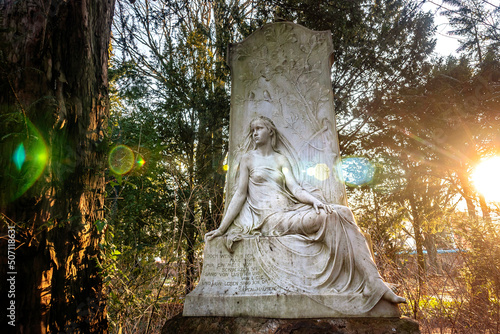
287,246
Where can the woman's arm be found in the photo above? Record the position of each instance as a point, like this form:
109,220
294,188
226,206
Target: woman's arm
236,203
302,195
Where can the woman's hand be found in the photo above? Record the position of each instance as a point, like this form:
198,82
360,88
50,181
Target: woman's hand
320,205
213,234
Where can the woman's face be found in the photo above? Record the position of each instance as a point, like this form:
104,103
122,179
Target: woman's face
261,134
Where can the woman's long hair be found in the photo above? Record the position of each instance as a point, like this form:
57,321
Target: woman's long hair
279,144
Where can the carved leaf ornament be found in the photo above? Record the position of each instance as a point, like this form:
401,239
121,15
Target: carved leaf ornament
282,72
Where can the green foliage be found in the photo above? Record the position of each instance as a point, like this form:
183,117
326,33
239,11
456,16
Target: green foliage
172,72
464,298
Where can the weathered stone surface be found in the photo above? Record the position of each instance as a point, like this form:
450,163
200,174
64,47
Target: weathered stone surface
243,325
233,284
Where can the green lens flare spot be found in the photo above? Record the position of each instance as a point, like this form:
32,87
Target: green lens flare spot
140,161
357,171
19,156
29,156
42,156
121,159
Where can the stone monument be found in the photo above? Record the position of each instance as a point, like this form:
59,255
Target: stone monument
288,246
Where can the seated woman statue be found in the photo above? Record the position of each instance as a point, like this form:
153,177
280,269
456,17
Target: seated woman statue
303,244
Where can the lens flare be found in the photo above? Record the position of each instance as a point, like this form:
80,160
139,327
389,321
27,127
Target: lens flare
29,155
486,179
140,161
321,172
121,159
19,156
357,171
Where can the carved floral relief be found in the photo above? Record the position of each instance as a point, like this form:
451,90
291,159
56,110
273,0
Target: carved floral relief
286,77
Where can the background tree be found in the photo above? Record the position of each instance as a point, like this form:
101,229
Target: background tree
177,51
476,23
54,109
438,132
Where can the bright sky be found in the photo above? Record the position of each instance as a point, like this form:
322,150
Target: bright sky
445,44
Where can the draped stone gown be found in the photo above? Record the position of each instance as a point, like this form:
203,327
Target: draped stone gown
333,260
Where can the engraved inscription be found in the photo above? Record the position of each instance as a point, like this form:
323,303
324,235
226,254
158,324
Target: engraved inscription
228,274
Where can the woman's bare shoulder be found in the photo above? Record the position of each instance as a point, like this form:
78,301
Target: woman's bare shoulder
248,155
283,160
247,158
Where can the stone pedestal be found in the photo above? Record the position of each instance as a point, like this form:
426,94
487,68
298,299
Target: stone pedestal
233,285
243,325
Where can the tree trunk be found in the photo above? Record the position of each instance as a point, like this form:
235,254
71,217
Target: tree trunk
467,194
430,246
223,37
54,76
189,231
485,210
419,241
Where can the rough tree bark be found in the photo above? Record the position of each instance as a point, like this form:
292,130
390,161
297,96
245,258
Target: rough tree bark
53,63
430,246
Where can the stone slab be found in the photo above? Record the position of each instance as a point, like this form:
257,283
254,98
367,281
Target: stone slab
286,306
245,325
233,285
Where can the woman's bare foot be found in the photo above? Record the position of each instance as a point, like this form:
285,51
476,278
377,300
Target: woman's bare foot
392,297
389,295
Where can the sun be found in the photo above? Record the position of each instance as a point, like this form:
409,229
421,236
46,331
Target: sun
486,178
